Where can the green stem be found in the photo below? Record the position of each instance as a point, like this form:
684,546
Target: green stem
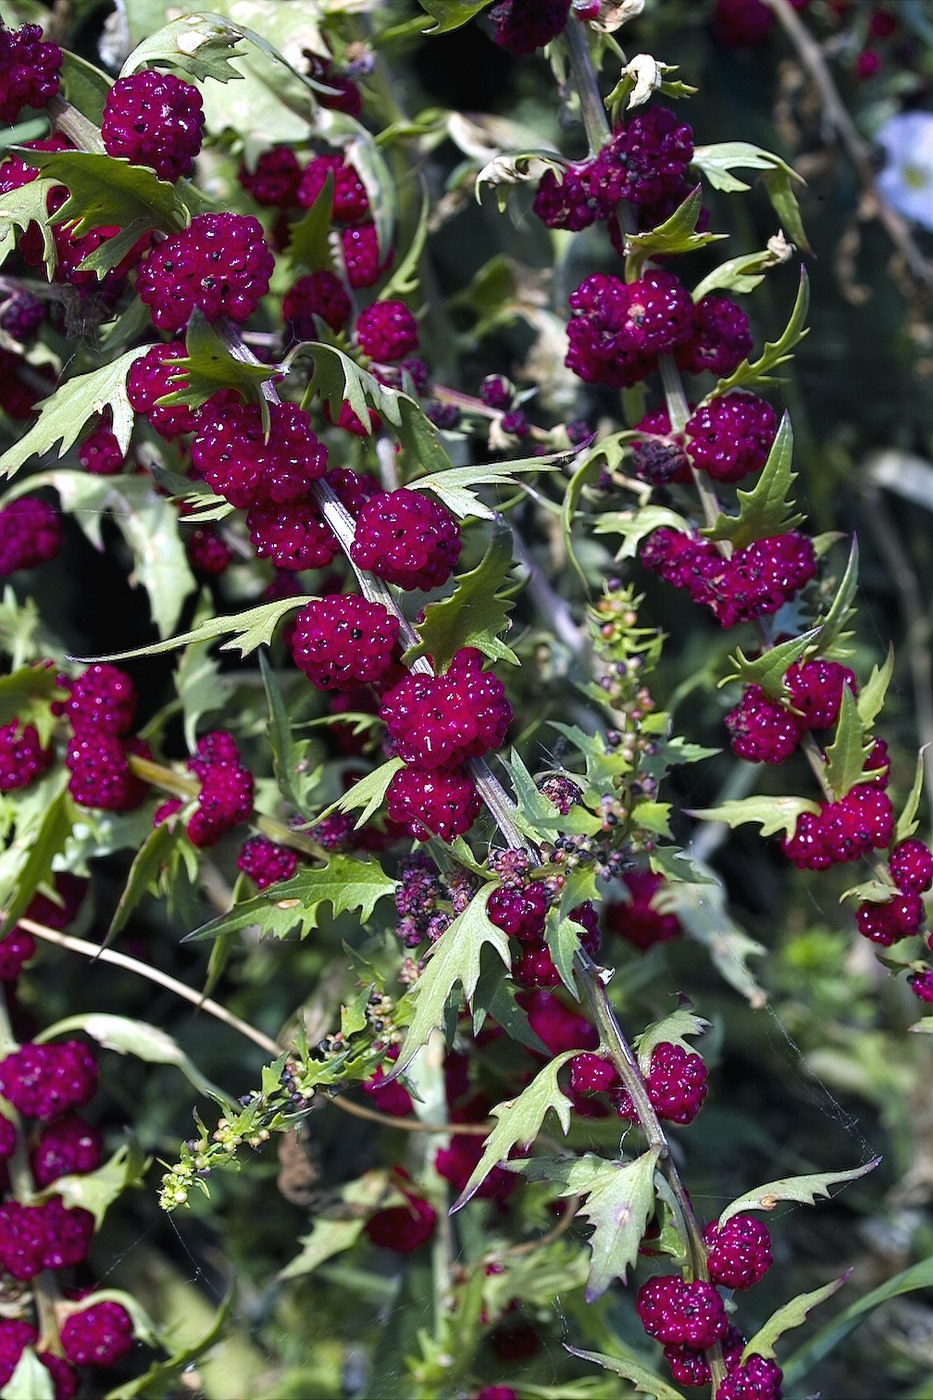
595,121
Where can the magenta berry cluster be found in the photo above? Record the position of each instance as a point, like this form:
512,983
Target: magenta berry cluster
155,119
274,179
101,709
22,756
676,1085
42,1081
220,265
618,329
438,722
842,831
403,1228
739,1252
15,1336
248,465
29,70
67,1146
99,1335
686,1314
319,294
343,641
387,331
226,796
407,538
266,862
728,438
755,582
351,202
30,534
430,803
154,376
525,25
638,921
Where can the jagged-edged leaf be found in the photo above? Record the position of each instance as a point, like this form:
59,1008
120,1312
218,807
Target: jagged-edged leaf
63,414
287,752
791,1315
766,510
644,1381
870,891
512,168
776,352
803,1189
847,754
212,364
21,207
97,1190
200,687
907,822
49,840
308,245
253,628
366,795
773,814
454,960
537,816
147,865
746,272
404,280
451,14
672,1029
677,234
495,996
476,613
333,1235
26,694
872,694
455,485
147,1042
718,161
769,669
619,1204
519,1120
105,190
199,44
842,607
345,883
704,912
635,525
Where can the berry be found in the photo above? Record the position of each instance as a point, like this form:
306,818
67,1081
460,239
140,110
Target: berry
273,181
645,162
65,1382
433,804
758,1379
676,1084
42,1081
921,984
638,921
265,862
29,70
293,536
16,949
660,458
515,424
457,1162
103,700
351,202
525,25
343,641
220,264
101,454
150,379
319,294
354,489
30,534
912,866
558,1028
15,1336
68,1146
7,1139
592,1074
403,1228
207,552
243,463
219,746
816,691
742,23
739,1252
574,202
758,580
226,796
520,912
22,315
155,119
387,331
888,923
445,416
98,1336
842,831
407,538
618,329
392,1097
496,392
100,774
361,255
878,765
731,436
438,722
346,98
33,1238
691,1314
762,730
22,757
719,338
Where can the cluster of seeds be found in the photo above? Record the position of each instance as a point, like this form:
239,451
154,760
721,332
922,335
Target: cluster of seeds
225,800
753,582
100,709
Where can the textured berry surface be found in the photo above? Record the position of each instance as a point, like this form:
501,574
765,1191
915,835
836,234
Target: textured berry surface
676,1086
29,69
100,453
438,722
661,457
618,329
912,866
361,255
842,831
731,436
758,1379
387,331
30,534
574,201
207,551
559,1028
900,917
520,911
22,315
226,797
66,1147
103,699
739,1252
525,25
762,730
755,582
646,160
22,757
274,179
319,294
266,862
403,1228
407,538
351,202
220,264
155,119
150,379
100,773
33,1238
293,536
99,1335
921,984
592,1074
433,804
719,338
42,1081
688,1313
241,462
638,921
816,691
343,641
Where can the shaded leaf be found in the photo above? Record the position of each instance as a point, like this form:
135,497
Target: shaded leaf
24,206
26,694
85,86
766,510
199,44
677,234
843,604
475,613
769,669
451,14
636,525
106,190
703,911
200,687
366,795
31,1380
847,754
803,1189
776,352
907,822
744,273
644,1381
156,1380
329,1236
144,872
793,1314
454,486
211,364
48,842
308,244
97,1190
872,694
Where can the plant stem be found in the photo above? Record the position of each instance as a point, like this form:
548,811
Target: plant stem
595,121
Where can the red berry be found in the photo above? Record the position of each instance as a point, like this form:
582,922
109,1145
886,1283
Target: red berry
67,1146
387,331
42,1081
407,538
351,202
29,70
33,1238
433,804
293,536
688,1313
719,338
22,757
273,182
361,256
592,1074
900,917
403,1228
525,25
100,774
438,722
265,862
100,1335
638,921
912,866
243,463
762,730
618,329
343,641
816,689
758,1379
15,1336
676,1085
22,315
557,1027
30,534
103,700
661,457
226,797
739,1252
647,159
207,552
731,436
153,118
921,984
150,379
220,264
522,911
319,294
101,454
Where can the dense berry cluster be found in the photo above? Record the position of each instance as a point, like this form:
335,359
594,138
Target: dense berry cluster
319,294
220,264
740,1251
350,200
266,862
344,641
43,1081
99,1335
226,796
274,179
66,1147
153,376
525,25
30,534
730,436
676,1084
619,329
433,804
639,921
688,1314
101,709
842,831
754,582
407,538
29,70
248,465
438,722
155,119
22,756
403,1228
387,331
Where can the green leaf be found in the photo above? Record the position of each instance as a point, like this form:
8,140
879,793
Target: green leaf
24,206
907,822
96,1191
766,510
201,687
144,873
31,1380
454,486
404,280
156,1381
495,996
309,245
85,86
210,365
105,190
793,1314
619,1204
369,1193
345,883
49,841
677,234
703,910
718,161
286,753
451,14
63,414
779,183
776,352
26,694
518,1121
846,755
872,694
773,814
803,1189
769,669
843,605
367,794
251,629
673,1030
475,613
454,960
644,1381
744,273
634,525
199,44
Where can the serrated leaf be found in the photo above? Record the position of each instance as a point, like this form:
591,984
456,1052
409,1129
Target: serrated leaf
26,694
744,273
870,891
210,364
286,751
677,234
31,1380
144,873
793,1314
160,1375
367,794
308,244
872,694
48,842
703,910
455,485
106,190
842,606
803,1189
619,1204
773,814
847,754
24,206
346,883
353,1014
201,687
368,1193
454,960
252,628
63,414
672,1029
907,822
475,613
635,525
766,510
718,161
644,1381
519,1120
451,14
779,182
769,669
495,996
776,352
96,1191
199,44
